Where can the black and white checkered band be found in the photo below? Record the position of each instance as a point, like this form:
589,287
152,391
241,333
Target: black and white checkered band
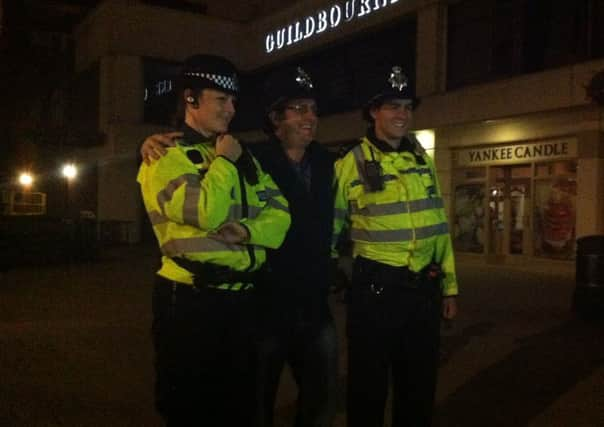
229,83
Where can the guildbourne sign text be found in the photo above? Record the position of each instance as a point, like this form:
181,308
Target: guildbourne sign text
518,153
323,20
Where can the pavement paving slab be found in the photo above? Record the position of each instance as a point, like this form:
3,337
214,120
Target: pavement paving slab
75,349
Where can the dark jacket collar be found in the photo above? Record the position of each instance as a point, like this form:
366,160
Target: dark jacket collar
192,137
276,144
405,145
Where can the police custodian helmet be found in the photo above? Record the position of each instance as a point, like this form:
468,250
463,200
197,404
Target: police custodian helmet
210,72
285,84
396,86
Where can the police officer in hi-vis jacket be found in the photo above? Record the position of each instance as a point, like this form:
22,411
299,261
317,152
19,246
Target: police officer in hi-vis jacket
214,213
403,278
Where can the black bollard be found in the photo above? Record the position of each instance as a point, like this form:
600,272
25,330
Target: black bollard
588,299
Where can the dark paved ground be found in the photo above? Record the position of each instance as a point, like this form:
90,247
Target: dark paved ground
75,349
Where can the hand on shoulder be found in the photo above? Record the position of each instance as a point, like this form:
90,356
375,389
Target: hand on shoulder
156,146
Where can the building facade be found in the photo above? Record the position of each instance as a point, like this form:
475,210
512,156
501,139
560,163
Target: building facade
508,107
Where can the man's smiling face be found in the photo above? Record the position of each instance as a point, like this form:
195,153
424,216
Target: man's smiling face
392,119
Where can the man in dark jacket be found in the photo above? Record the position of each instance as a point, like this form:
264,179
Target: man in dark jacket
295,325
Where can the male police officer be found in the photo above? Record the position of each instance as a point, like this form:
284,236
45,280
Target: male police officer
403,271
296,326
213,211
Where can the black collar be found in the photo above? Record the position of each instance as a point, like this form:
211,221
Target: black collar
383,146
277,143
192,137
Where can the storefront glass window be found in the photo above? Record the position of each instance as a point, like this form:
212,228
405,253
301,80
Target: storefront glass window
526,209
555,217
509,210
468,234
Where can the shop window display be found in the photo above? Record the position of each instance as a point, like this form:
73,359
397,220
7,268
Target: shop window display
555,217
468,233
519,209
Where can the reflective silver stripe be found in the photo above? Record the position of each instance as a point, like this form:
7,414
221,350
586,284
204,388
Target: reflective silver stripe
176,247
166,194
419,171
381,236
268,193
273,192
432,230
235,212
190,206
397,207
276,204
425,204
253,211
393,236
339,213
156,218
359,159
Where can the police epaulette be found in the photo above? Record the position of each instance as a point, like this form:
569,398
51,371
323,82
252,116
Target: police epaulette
417,147
345,148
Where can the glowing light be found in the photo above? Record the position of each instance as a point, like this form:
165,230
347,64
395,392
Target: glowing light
26,179
426,138
70,171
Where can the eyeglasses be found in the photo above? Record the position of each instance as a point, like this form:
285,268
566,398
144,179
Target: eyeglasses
302,109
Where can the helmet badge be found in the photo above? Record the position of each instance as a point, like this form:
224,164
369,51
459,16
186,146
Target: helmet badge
397,79
303,79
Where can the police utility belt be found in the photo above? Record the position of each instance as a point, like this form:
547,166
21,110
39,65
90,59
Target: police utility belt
209,275
379,276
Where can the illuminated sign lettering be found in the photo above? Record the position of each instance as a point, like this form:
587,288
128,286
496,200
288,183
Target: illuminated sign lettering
518,153
323,20
161,87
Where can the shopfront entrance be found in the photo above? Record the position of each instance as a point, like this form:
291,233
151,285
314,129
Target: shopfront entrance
510,205
516,202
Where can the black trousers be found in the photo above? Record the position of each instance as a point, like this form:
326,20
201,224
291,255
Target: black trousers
393,331
306,340
204,355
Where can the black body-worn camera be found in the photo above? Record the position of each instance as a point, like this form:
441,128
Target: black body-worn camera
373,174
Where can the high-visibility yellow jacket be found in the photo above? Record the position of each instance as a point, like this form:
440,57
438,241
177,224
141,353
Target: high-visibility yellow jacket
405,223
190,191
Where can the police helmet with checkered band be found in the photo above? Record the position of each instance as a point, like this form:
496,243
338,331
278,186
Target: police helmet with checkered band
210,72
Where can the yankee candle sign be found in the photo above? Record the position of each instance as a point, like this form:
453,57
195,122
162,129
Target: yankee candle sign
322,20
521,153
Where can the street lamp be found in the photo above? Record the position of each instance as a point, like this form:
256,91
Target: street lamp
69,172
26,180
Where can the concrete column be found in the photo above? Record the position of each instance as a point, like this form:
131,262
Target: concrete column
119,198
121,90
431,47
121,109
